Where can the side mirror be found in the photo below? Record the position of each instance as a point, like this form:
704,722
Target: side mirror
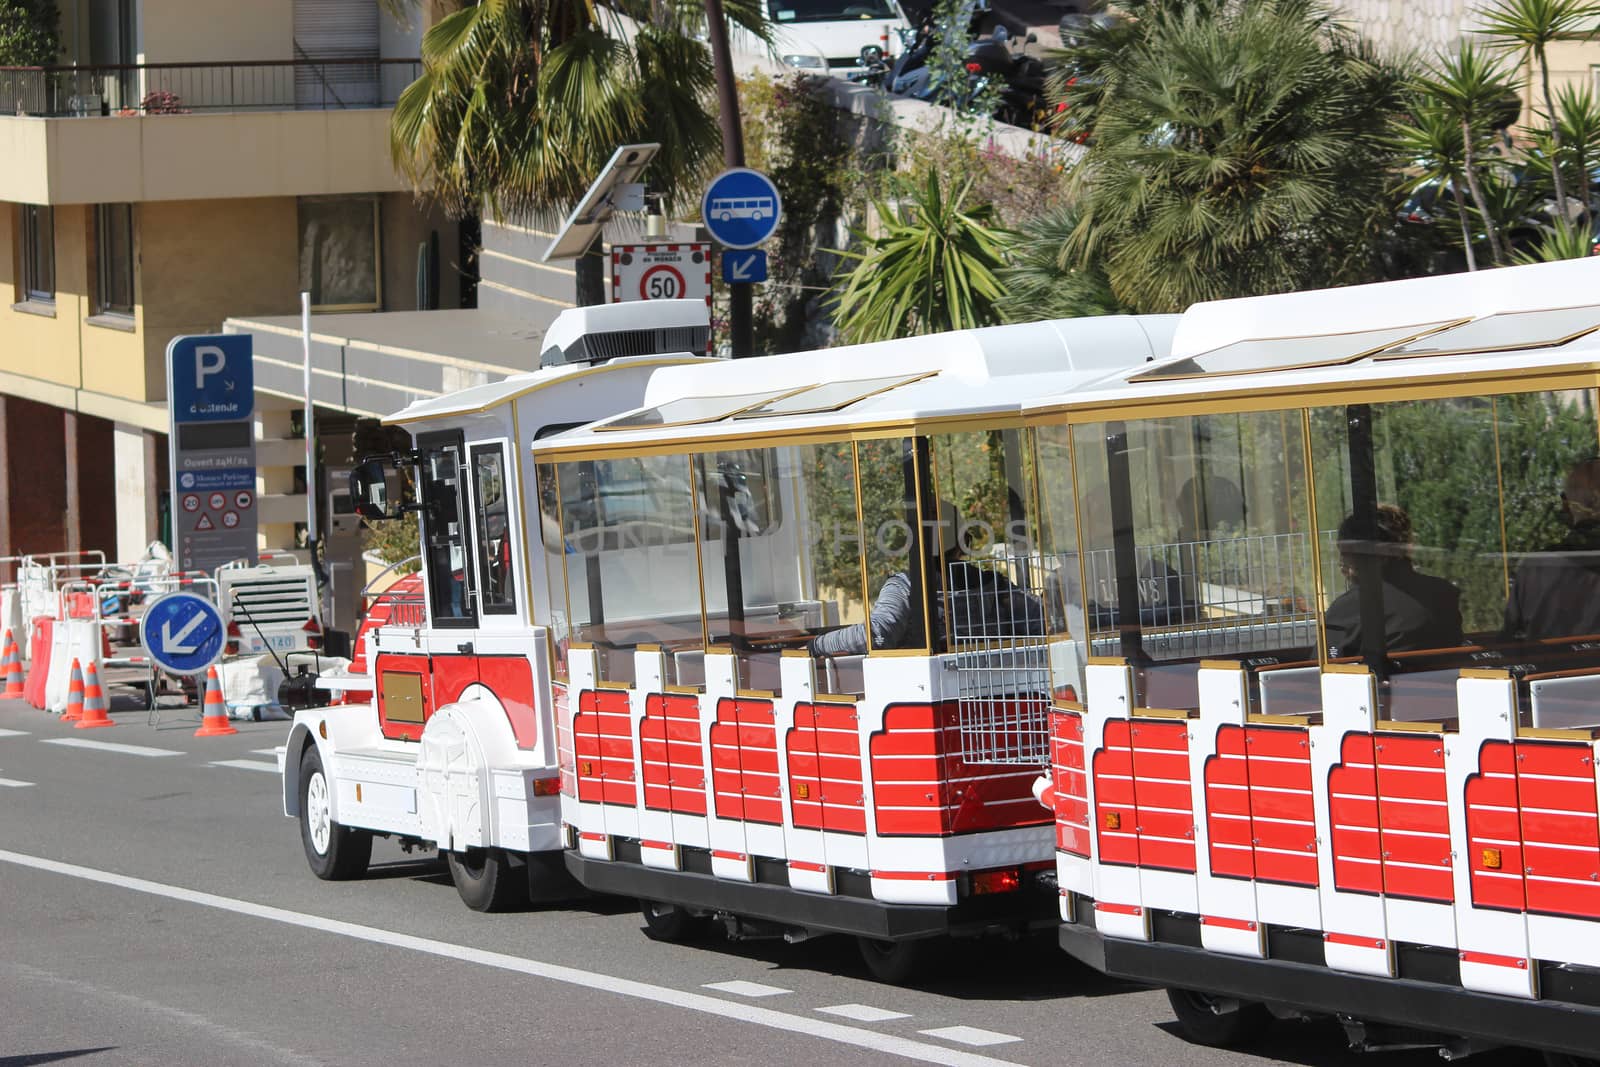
871,55
370,490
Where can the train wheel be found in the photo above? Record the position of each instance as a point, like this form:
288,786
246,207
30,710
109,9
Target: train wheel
668,922
1203,1024
898,962
336,853
489,879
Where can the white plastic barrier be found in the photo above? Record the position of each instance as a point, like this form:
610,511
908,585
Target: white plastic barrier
11,617
73,639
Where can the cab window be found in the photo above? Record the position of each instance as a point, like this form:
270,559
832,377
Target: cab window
495,558
444,531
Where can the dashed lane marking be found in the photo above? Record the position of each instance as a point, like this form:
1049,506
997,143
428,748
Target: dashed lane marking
14,783
110,746
246,765
969,1035
746,989
264,751
13,733
864,1013
853,1036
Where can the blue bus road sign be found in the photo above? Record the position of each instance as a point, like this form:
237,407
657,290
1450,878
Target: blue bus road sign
745,265
213,378
182,632
741,208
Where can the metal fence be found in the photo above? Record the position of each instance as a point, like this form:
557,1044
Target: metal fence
184,88
997,625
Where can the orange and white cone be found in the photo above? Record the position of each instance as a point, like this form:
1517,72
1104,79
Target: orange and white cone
214,718
12,665
74,712
94,701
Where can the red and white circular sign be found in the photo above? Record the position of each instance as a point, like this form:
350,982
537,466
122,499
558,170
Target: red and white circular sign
218,501
661,282
243,499
230,519
191,502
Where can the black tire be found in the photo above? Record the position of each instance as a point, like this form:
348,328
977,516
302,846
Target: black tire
900,962
669,923
1202,1025
489,879
336,853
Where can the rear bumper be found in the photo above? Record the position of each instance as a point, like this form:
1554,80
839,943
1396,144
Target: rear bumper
1435,1007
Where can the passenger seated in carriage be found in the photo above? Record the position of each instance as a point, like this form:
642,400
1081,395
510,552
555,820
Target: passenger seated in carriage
1556,592
983,602
1420,611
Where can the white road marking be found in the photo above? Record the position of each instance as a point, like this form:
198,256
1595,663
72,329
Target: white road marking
746,989
13,733
864,1013
264,751
14,783
246,765
969,1035
110,746
555,972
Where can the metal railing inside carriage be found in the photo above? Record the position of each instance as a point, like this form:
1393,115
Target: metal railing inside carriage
184,88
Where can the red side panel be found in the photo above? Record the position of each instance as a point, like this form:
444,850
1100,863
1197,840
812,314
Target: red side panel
653,754
1114,811
839,766
1227,783
1414,818
986,796
685,762
603,738
1494,831
1162,794
510,679
1071,784
758,762
727,789
412,665
1560,834
910,792
452,675
805,783
1353,808
1282,820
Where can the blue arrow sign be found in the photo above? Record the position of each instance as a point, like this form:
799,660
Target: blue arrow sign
744,266
182,632
741,208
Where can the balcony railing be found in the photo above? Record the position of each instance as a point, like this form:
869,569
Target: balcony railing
184,88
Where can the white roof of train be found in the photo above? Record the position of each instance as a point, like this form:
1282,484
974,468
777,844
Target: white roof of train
969,372
1324,318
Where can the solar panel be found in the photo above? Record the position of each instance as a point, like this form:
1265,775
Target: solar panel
1289,353
688,410
830,396
1505,332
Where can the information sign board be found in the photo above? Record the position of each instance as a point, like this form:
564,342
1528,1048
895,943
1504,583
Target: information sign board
211,394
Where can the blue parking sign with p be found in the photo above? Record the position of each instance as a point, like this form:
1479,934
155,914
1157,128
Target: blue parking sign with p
213,379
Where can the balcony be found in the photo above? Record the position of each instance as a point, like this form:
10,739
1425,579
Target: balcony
197,131
188,88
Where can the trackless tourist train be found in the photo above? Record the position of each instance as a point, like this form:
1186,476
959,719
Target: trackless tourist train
1256,649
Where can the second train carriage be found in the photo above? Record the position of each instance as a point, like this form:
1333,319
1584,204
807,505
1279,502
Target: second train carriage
1332,746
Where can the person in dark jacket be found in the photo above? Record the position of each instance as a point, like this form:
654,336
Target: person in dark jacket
1556,592
1419,610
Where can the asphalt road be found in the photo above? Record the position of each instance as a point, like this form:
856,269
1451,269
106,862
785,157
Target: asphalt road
155,907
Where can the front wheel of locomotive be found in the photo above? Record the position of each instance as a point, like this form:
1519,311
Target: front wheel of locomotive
1217,1022
489,879
336,853
900,962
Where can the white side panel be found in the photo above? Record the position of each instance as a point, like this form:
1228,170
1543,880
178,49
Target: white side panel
1228,921
730,855
1119,911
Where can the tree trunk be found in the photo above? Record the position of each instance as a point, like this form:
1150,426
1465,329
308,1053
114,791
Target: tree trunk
1471,167
1555,138
1466,230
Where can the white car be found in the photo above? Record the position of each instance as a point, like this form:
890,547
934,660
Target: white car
827,36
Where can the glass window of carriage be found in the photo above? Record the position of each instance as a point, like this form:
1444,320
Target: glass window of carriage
554,544
630,553
1059,562
782,556
445,539
990,585
1197,544
894,475
492,524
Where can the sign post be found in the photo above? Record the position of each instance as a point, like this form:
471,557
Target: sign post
741,209
211,399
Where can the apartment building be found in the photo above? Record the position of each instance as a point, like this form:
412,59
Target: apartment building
184,161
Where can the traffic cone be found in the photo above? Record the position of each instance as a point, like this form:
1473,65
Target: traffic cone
12,665
74,711
94,701
214,713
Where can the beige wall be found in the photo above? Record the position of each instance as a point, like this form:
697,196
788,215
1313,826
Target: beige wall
201,31
203,260
198,156
43,346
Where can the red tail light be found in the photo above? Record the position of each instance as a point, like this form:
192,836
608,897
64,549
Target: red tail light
1008,880
232,647
546,787
974,68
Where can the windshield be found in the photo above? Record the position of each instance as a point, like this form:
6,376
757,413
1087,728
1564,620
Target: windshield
830,10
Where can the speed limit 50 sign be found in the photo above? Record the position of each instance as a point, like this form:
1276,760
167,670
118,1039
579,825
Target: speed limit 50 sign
661,272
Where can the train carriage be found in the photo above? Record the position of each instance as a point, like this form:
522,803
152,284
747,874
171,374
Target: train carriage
1331,746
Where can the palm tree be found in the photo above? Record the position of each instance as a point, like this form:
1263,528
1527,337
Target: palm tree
932,269
521,102
1244,150
1429,139
1527,27
1472,89
1577,125
1042,280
